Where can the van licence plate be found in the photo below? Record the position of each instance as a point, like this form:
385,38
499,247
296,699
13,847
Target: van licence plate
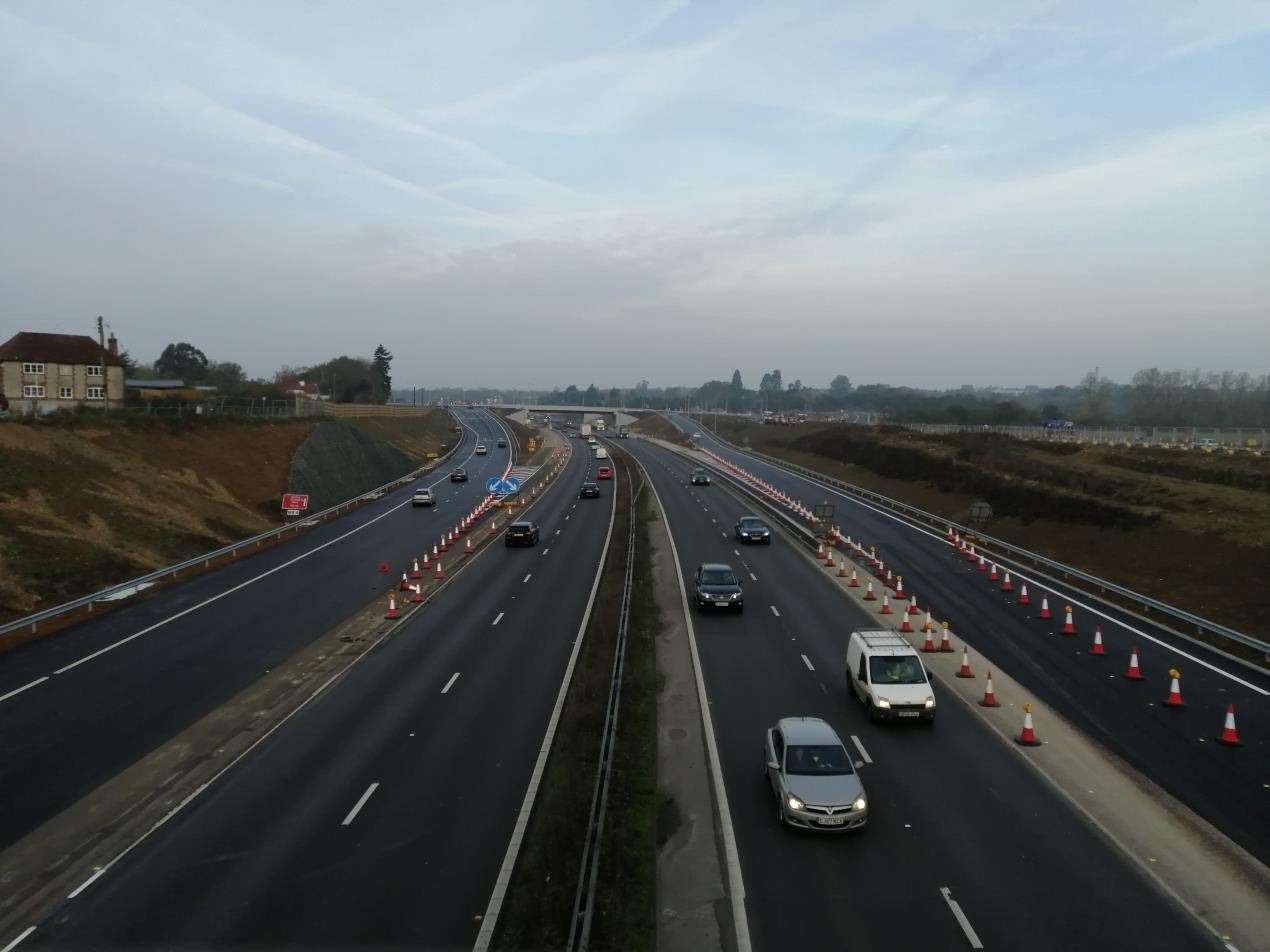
908,713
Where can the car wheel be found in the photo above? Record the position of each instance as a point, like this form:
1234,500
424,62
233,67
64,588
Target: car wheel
780,812
740,608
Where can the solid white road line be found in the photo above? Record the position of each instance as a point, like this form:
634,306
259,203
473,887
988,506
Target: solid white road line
87,882
449,684
17,691
774,611
352,814
527,578
14,944
498,619
864,754
966,927
807,661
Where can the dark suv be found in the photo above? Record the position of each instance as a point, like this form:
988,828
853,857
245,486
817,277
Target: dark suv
753,529
716,586
590,491
458,476
700,477
521,533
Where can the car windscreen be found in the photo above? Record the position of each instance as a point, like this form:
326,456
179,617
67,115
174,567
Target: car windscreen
752,524
896,669
810,760
717,577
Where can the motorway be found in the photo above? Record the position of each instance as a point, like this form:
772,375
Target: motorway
1174,748
379,814
119,685
951,807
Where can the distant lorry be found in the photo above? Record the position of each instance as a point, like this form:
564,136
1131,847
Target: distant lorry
584,430
599,423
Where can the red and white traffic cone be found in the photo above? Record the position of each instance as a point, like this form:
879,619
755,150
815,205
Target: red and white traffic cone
1134,671
1175,690
904,623
493,525
886,605
899,588
989,699
890,579
1229,735
949,534
868,593
392,606
426,563
970,554
928,643
964,671
440,572
1045,607
992,573
912,605
434,551
1027,737
829,561
415,573
1006,584
1024,597
842,568
417,591
1069,627
1097,648
445,547
405,584
467,548
983,564
945,645
820,552
855,582
928,625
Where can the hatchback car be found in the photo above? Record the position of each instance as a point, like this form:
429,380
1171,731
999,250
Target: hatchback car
752,529
812,776
521,533
715,585
700,477
423,497
502,444
481,449
458,476
604,472
589,491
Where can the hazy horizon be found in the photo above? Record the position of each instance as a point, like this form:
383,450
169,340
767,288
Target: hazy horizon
920,194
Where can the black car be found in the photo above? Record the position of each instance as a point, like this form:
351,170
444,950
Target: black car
458,476
753,529
590,491
716,586
700,477
521,533
502,444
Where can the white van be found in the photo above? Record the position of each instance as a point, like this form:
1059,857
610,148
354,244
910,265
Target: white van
886,673
601,453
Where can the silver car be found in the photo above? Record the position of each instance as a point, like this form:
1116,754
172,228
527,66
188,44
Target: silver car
812,776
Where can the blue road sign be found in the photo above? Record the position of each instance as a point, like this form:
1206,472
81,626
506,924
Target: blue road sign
503,487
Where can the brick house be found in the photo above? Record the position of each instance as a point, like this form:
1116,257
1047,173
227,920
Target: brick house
43,373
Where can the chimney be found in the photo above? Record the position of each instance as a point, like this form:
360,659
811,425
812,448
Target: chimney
112,343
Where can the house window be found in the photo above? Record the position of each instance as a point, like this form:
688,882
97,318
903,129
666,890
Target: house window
96,393
65,393
33,368
33,390
94,370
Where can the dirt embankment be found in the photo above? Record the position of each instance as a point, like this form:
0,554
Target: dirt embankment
1193,531
88,504
656,425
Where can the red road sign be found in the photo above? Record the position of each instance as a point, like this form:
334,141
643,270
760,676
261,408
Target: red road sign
295,501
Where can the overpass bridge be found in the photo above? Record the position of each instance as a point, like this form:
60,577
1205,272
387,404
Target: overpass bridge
611,415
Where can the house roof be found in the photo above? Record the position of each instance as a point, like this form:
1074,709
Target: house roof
56,349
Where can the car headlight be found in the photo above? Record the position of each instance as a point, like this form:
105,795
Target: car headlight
860,803
930,702
736,595
744,534
794,802
883,702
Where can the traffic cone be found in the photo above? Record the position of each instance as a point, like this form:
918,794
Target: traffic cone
1229,735
392,606
964,671
983,564
829,561
383,567
945,646
467,549
868,593
928,625
928,643
440,572
1045,608
1097,649
1006,584
493,525
899,587
855,582
405,585
444,545
904,624
992,573
415,573
842,568
1027,737
912,605
1069,627
820,553
970,554
434,551
989,699
886,605
1175,690
949,534
418,593
1024,598
1134,671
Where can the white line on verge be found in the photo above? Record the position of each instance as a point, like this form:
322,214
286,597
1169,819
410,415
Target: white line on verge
449,684
498,619
807,661
352,814
966,927
774,611
864,754
14,944
527,578
5,697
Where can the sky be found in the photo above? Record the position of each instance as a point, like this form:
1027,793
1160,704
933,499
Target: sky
531,194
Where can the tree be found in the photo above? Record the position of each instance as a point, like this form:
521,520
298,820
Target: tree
226,376
737,386
572,395
382,379
615,397
771,382
592,396
182,361
1095,397
840,385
